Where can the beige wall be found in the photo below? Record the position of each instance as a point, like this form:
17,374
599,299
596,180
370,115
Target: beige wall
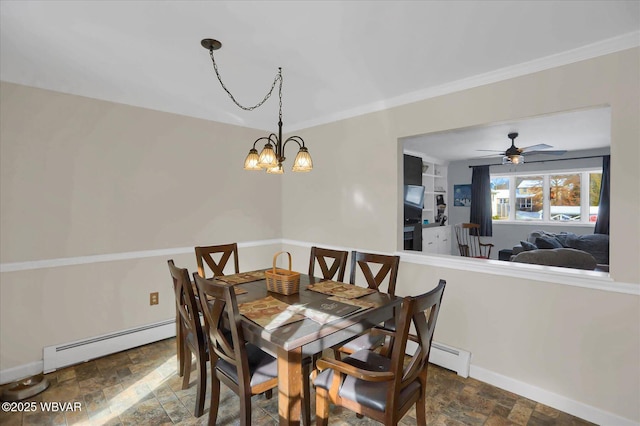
580,343
84,177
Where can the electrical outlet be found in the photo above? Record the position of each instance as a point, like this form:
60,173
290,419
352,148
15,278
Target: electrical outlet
153,298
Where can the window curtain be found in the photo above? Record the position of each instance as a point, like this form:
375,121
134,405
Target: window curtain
602,224
481,200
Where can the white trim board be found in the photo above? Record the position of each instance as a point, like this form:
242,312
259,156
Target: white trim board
92,348
551,399
20,372
111,257
565,276
572,277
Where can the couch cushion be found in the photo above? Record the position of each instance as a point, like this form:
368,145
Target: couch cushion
595,244
547,242
526,246
562,257
561,237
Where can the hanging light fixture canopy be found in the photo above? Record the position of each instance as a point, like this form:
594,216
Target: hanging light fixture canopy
272,155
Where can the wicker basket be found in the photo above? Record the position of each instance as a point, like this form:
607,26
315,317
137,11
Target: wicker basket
282,281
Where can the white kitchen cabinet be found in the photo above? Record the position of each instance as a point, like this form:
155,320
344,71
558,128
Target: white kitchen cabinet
436,240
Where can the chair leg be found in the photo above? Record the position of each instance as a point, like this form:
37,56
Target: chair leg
322,407
201,365
215,398
245,409
421,405
187,369
268,394
179,346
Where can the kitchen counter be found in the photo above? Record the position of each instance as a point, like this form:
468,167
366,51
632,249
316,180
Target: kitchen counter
431,225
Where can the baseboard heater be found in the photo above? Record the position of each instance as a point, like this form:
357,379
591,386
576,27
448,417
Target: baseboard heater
59,356
447,357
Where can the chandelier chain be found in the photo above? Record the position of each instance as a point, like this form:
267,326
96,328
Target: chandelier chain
267,96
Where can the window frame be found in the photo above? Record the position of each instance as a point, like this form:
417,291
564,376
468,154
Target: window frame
546,192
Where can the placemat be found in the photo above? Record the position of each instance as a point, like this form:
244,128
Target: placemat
242,277
345,291
270,312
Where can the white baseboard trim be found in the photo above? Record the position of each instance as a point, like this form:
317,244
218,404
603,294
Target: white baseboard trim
20,372
559,402
451,358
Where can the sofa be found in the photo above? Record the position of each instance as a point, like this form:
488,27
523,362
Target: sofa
564,249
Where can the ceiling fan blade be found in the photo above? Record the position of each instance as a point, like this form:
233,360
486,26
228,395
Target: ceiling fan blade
490,150
556,152
535,147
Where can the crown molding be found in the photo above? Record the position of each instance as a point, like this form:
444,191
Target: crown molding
601,48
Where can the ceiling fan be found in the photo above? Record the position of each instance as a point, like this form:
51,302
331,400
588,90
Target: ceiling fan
515,155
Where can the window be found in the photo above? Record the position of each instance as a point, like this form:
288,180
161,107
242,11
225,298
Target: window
549,197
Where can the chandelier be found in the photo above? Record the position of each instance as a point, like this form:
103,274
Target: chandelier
272,155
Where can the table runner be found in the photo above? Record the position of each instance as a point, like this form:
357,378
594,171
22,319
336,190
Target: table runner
345,291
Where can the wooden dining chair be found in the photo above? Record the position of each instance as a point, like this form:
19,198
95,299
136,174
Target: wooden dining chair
192,338
205,255
382,387
385,277
469,244
333,265
243,367
338,260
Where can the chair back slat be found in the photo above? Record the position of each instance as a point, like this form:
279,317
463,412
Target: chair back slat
186,304
220,307
338,265
388,269
204,255
424,316
469,244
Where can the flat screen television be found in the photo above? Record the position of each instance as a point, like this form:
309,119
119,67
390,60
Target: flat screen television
414,196
413,203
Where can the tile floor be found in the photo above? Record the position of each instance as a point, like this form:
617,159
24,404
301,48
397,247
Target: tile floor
140,387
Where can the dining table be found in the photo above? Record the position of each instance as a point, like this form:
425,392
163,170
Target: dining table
292,338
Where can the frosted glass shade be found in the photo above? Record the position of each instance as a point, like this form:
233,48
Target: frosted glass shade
277,170
252,160
267,157
514,159
303,162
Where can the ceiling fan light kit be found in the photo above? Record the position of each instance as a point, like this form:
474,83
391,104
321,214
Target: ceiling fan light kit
515,155
272,155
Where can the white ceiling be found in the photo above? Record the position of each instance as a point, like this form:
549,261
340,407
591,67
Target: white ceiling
570,131
339,59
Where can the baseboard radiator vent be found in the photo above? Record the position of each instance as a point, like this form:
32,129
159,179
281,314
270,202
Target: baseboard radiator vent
447,357
450,358
59,356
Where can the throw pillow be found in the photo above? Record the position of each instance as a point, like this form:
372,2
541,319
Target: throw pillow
547,243
563,257
526,246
